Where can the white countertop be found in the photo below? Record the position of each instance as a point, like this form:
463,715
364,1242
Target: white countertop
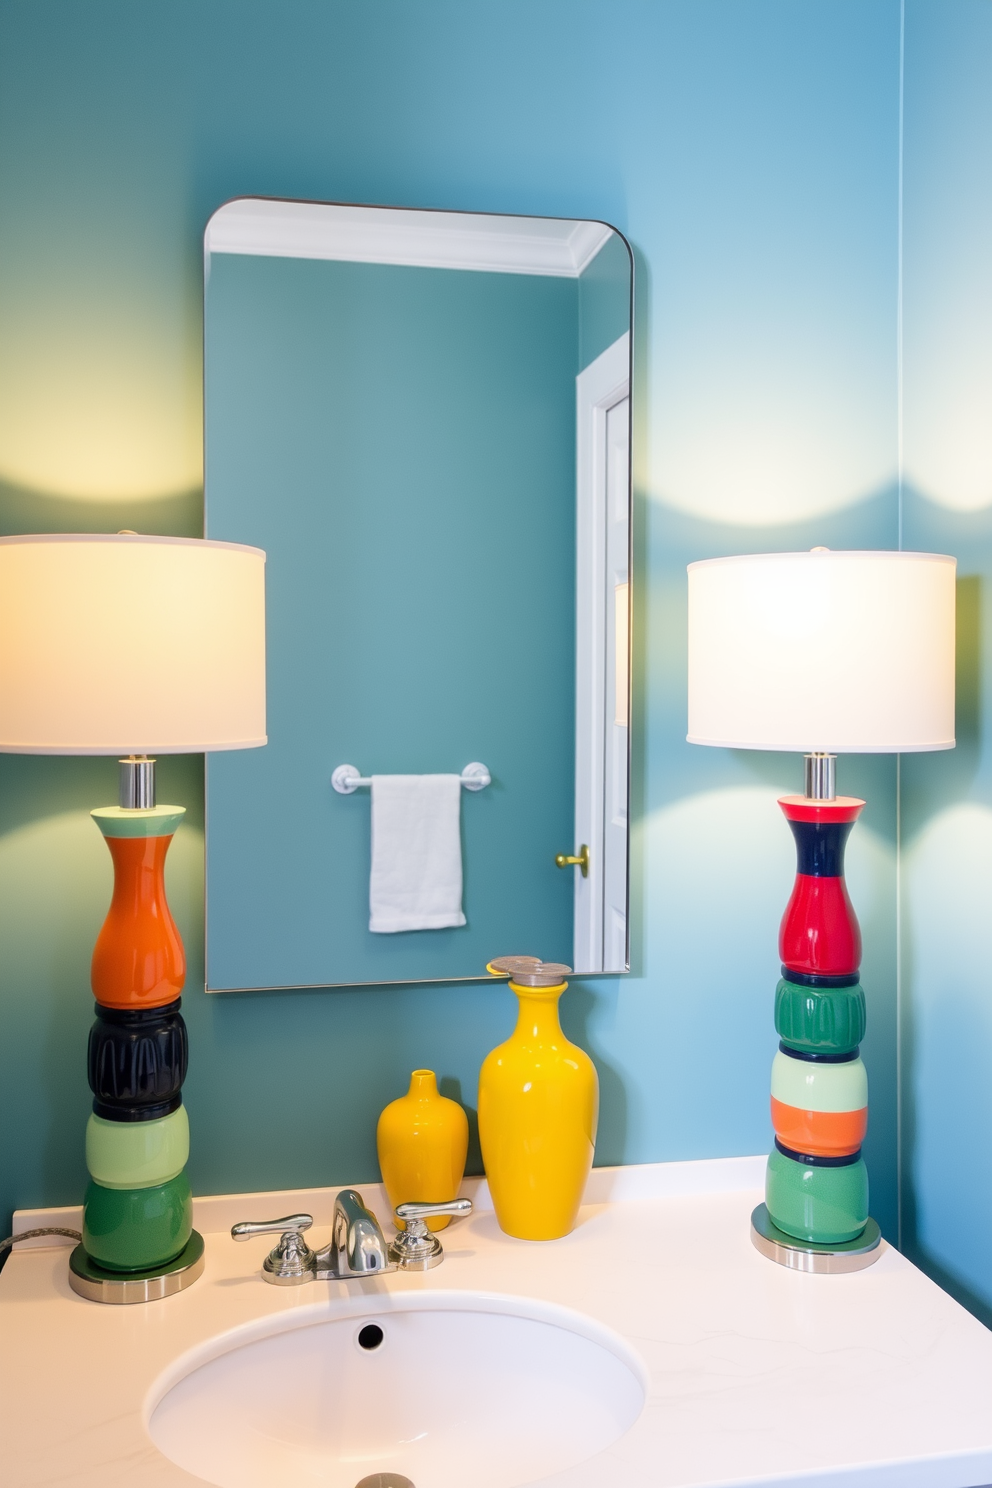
756,1374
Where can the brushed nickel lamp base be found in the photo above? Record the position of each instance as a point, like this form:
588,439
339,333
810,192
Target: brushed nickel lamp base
121,1288
821,1260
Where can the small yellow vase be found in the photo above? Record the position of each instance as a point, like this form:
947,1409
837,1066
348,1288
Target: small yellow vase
538,1108
423,1142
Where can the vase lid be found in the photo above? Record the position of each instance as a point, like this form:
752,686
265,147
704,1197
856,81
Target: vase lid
510,965
544,974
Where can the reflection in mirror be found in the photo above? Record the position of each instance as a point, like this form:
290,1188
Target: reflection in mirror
424,420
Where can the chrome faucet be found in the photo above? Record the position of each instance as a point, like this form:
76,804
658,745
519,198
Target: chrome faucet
357,1247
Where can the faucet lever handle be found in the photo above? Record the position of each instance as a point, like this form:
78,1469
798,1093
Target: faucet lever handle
415,1248
292,1261
249,1227
428,1211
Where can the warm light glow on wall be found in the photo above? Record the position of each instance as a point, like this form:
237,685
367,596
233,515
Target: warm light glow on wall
99,411
740,438
948,396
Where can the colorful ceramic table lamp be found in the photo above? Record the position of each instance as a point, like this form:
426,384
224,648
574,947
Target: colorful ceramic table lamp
824,653
137,646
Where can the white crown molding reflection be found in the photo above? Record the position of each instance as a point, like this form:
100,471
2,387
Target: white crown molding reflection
393,235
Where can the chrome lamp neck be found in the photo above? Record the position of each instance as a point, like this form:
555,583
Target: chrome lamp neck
820,777
137,787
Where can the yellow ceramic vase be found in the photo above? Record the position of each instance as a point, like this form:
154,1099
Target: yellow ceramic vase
423,1142
538,1108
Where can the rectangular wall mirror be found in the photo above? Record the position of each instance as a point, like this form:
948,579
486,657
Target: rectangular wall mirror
424,420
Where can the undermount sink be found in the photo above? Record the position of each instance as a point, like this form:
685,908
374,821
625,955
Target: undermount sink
440,1389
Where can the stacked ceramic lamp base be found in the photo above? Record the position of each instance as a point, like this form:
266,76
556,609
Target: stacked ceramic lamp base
815,1215
138,1238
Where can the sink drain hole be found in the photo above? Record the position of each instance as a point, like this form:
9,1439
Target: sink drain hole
385,1480
370,1338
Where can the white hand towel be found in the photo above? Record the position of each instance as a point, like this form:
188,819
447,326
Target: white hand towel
416,881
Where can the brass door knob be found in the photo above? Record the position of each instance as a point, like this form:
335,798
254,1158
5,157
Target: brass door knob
568,860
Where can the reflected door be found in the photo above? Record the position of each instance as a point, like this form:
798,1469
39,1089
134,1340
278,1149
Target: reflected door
602,666
616,612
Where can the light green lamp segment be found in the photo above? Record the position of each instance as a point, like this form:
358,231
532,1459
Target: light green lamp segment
137,1154
147,821
819,1087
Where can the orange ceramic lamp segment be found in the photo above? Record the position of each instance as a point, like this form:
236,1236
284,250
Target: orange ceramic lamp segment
138,959
820,1133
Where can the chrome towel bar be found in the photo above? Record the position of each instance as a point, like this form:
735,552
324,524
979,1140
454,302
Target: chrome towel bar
346,779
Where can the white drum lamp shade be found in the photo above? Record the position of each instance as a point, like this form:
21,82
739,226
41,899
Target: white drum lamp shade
130,644
839,652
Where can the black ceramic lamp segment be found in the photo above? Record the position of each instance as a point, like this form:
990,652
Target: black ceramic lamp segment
137,1061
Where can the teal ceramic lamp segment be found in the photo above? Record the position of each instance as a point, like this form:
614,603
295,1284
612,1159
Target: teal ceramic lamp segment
824,1205
152,821
137,1154
820,1020
812,1086
135,1229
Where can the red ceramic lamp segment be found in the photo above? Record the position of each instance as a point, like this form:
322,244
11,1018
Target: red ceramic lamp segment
820,935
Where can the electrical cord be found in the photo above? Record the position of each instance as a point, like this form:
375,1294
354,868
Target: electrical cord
30,1234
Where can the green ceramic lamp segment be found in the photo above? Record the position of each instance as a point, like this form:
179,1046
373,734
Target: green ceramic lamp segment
84,1265
823,1205
867,1240
134,1229
812,1086
137,1154
828,1021
153,821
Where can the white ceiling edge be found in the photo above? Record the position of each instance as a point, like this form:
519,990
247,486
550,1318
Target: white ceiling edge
395,235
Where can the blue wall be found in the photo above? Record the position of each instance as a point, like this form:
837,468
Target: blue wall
947,807
401,443
749,150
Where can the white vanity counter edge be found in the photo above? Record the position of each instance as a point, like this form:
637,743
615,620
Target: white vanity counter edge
757,1374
